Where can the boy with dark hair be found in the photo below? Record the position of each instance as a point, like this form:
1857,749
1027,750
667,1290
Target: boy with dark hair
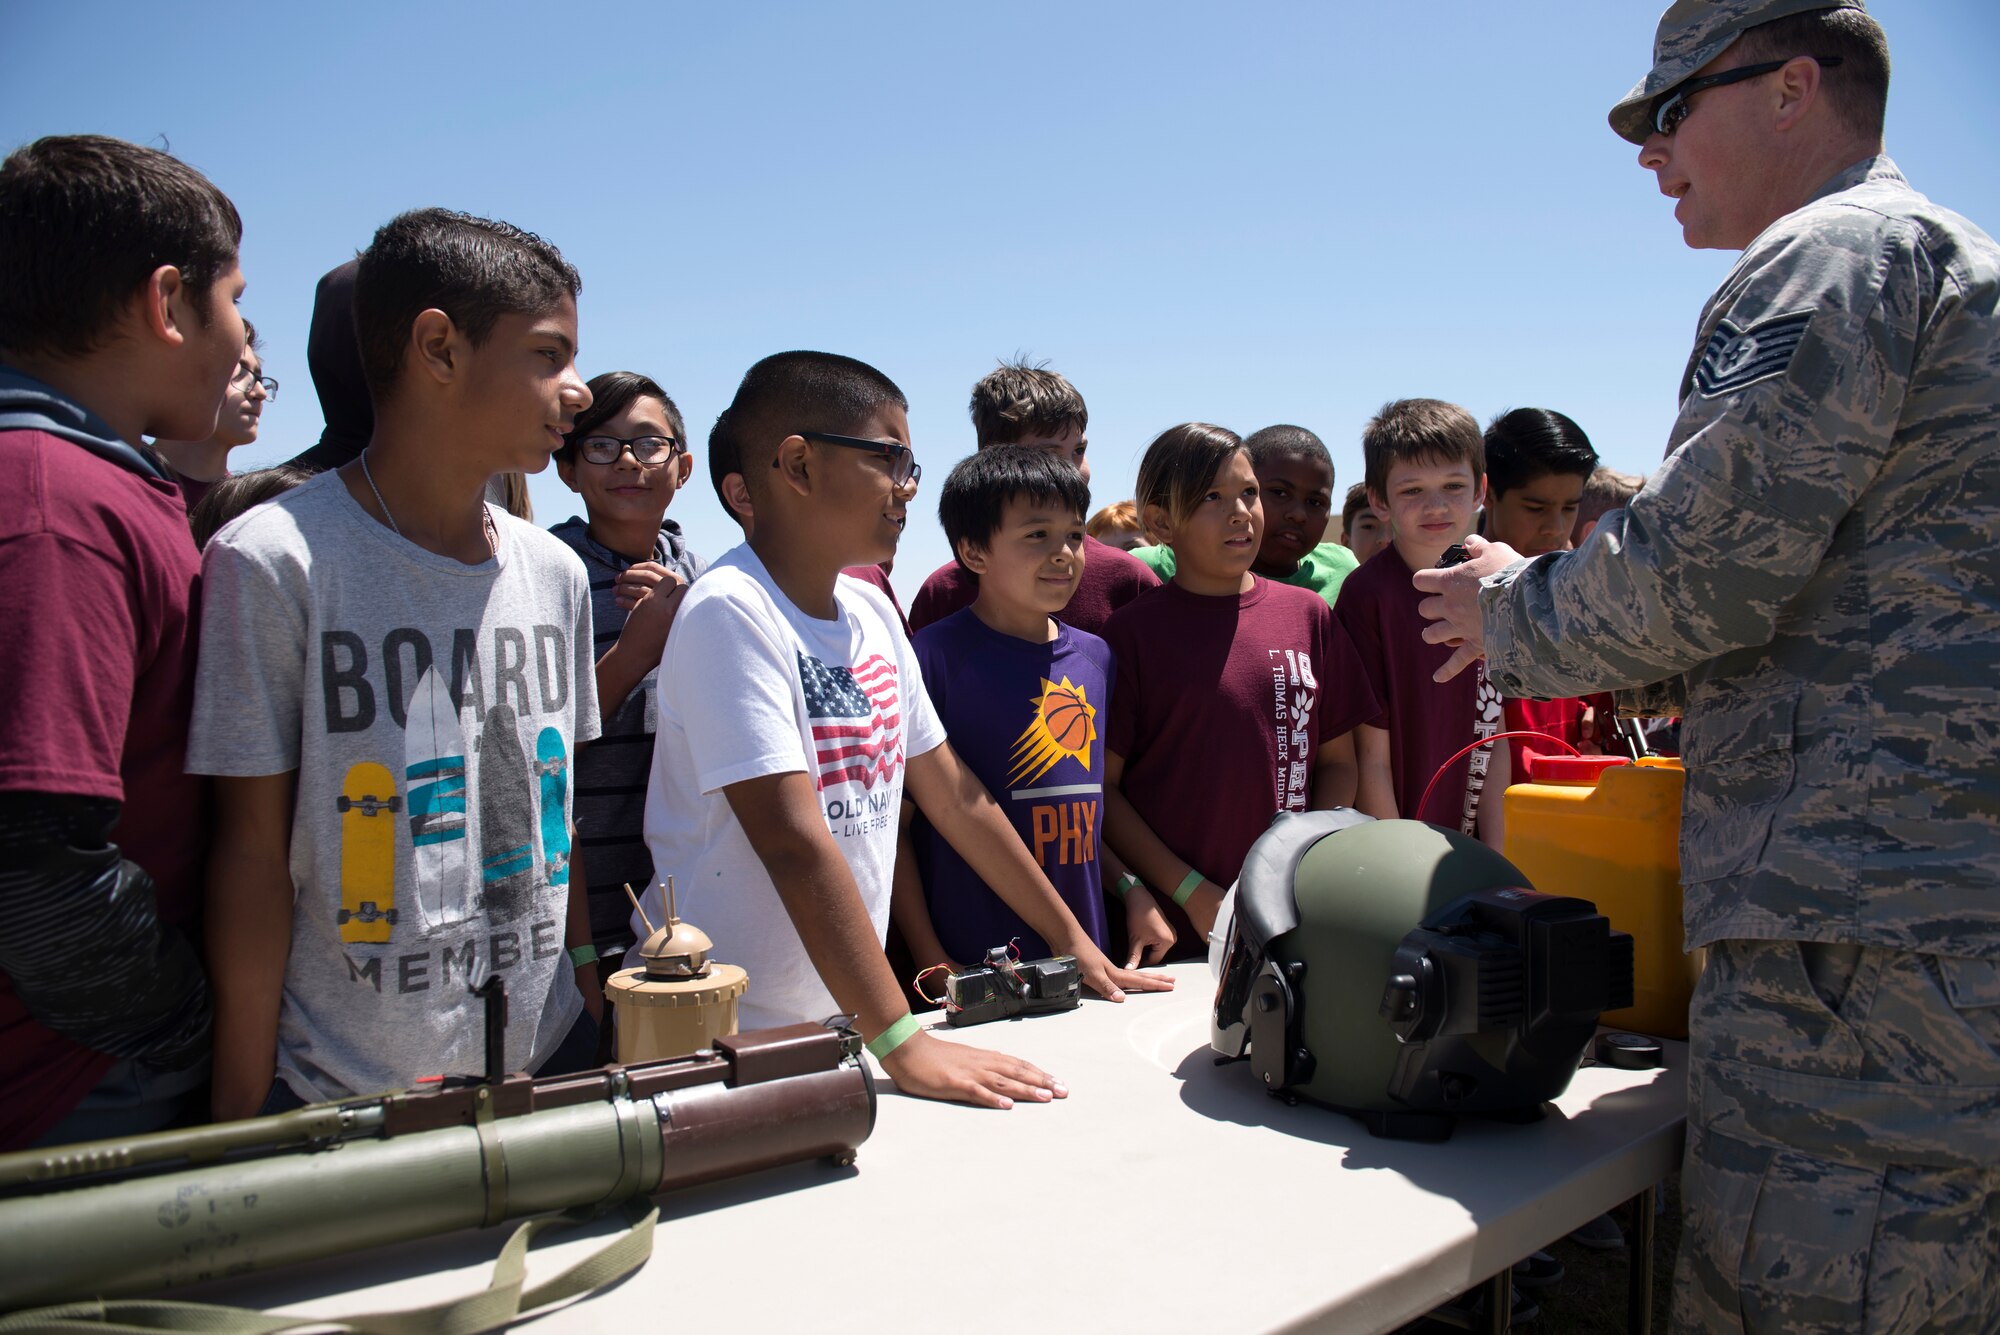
1020,404
395,677
1362,531
1426,473
1021,696
117,321
627,456
1295,482
785,744
1537,461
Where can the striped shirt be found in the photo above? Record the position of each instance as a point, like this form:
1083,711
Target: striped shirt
611,772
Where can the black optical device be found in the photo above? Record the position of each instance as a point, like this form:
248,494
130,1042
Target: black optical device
1454,555
1004,987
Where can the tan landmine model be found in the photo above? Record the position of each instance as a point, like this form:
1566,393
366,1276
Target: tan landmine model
678,1001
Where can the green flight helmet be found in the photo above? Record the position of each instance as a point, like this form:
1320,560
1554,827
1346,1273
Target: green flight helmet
1407,974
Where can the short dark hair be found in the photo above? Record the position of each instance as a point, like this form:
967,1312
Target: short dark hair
1181,463
1524,444
611,394
1019,400
238,493
1285,442
250,339
980,485
475,270
1858,88
790,392
84,222
1420,431
1357,501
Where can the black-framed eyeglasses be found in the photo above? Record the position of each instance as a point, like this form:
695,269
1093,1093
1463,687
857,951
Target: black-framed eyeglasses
903,466
244,378
1671,107
645,449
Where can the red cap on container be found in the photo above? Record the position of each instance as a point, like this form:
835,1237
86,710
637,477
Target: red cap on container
1569,769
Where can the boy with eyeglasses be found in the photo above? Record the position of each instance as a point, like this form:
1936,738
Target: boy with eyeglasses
792,717
395,677
626,457
197,465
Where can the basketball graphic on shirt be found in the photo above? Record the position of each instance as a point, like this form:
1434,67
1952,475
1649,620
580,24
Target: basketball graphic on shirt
1064,726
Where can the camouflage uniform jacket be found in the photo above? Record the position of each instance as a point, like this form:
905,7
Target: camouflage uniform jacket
1817,565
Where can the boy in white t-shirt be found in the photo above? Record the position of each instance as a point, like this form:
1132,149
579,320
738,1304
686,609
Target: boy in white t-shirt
791,715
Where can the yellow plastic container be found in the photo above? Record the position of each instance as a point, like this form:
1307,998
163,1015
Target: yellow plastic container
1609,832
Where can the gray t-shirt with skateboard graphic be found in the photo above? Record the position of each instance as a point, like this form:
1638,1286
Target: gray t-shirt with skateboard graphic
430,709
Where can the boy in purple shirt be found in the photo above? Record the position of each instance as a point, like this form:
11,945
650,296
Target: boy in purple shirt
1022,697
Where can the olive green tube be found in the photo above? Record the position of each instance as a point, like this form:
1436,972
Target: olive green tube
196,1224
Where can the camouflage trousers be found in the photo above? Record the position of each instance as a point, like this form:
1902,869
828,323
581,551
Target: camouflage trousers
1843,1157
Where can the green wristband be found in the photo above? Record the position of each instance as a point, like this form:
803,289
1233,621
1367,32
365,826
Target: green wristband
1126,884
1185,890
893,1037
582,955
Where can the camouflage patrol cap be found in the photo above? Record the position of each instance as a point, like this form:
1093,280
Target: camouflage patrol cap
1692,33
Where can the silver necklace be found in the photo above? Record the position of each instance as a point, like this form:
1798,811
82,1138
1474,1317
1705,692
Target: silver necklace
485,516
394,527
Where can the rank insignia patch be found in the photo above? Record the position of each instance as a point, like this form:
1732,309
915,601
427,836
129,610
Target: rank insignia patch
1737,357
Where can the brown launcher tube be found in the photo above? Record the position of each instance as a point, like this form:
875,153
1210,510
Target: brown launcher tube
713,1132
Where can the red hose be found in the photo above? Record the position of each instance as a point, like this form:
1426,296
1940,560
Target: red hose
1425,800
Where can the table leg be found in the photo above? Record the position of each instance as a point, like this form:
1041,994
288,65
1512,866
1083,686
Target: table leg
1639,1279
1500,1301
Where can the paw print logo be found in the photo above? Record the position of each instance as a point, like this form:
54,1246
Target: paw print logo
1488,702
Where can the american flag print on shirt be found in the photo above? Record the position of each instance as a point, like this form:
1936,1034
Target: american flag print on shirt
857,720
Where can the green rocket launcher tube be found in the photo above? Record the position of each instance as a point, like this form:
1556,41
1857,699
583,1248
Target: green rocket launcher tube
120,1217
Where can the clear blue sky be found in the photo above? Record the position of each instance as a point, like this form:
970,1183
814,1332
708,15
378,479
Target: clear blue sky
1244,214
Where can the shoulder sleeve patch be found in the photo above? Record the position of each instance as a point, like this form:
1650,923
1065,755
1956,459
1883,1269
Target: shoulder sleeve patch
1735,357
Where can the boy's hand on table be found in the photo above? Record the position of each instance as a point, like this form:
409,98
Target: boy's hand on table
1106,979
1146,928
958,1073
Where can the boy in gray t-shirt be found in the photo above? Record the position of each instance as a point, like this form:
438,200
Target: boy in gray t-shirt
394,679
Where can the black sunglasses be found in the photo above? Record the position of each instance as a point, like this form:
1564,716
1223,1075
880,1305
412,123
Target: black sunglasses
1671,108
903,466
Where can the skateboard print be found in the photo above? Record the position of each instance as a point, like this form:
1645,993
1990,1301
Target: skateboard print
552,765
368,806
435,749
506,818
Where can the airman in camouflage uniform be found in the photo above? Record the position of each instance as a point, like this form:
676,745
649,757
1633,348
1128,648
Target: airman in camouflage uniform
1813,577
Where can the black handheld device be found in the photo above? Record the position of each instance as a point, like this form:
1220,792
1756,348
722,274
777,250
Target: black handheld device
1004,987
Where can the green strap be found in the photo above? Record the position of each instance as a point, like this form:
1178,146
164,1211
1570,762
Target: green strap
502,1301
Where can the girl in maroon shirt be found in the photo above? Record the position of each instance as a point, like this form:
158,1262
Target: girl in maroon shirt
1236,696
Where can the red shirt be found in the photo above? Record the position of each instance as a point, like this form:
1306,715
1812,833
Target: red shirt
1220,707
1553,718
1427,721
98,577
1111,579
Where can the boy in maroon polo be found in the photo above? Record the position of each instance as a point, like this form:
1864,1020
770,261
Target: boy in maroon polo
1426,467
123,326
1028,405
